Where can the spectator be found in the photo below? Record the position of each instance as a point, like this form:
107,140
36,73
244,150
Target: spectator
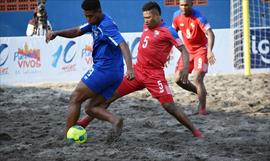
38,25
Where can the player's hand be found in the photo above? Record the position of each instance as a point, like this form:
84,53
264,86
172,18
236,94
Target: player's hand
211,58
130,74
183,75
50,36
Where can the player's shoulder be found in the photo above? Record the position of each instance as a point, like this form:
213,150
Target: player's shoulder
198,15
107,21
86,27
107,18
168,29
176,14
177,17
163,26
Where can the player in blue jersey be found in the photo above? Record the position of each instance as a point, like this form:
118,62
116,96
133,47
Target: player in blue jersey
98,84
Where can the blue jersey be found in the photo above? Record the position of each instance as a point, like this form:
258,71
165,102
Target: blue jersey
106,51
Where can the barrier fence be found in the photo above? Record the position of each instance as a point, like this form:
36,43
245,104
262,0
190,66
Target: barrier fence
31,60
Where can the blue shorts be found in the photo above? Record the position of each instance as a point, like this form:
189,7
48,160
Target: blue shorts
103,82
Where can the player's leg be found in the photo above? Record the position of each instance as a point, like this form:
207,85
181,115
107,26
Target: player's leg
106,82
187,86
100,112
85,120
201,92
181,117
126,87
97,108
158,87
78,96
200,68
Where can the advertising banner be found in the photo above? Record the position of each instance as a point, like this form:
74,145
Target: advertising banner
260,48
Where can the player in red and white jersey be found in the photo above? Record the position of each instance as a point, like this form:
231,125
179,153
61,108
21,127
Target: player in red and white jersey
155,45
199,40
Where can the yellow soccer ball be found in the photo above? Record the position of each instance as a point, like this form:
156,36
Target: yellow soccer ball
77,134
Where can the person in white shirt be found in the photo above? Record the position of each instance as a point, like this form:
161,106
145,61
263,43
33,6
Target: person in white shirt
36,26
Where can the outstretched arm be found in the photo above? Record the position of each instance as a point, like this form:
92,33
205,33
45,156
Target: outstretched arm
185,56
127,56
68,33
211,39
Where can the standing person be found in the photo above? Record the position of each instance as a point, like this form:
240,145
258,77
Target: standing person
155,45
99,83
35,26
199,40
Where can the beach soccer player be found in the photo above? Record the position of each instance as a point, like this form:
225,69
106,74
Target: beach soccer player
156,42
99,83
198,38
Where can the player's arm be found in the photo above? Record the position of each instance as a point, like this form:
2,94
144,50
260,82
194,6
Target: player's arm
185,56
183,73
110,29
205,26
211,39
127,56
175,20
68,33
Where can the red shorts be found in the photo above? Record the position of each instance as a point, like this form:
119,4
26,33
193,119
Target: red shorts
151,79
197,62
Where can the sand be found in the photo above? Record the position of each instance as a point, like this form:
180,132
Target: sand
237,128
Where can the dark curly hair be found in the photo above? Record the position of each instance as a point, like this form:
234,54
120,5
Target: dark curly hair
91,5
151,5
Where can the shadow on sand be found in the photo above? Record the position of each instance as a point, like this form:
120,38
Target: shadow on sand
32,121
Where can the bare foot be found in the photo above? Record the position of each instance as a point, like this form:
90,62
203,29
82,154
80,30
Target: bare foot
198,134
116,131
201,111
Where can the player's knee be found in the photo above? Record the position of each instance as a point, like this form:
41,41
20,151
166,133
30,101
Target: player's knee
179,82
198,81
199,76
91,111
169,107
176,78
75,97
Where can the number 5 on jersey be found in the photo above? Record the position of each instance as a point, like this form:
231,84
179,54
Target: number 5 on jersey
160,85
145,41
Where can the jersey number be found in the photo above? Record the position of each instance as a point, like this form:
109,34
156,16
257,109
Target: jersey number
188,34
145,41
161,88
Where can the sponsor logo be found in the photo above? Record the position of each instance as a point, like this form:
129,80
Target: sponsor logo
28,60
134,48
192,25
260,48
86,57
88,74
3,59
66,64
156,33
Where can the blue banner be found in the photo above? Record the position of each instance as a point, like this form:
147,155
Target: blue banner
260,48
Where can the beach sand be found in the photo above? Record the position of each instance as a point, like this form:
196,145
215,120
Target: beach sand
237,128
